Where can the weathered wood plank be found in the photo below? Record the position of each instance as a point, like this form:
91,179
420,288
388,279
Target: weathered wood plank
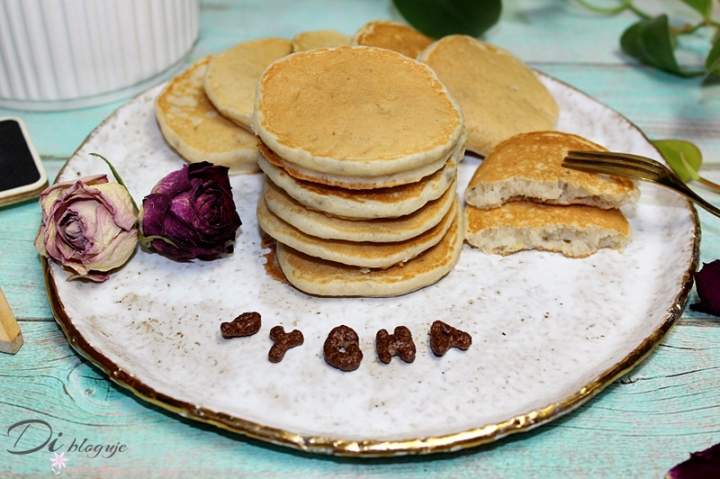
20,274
639,427
532,28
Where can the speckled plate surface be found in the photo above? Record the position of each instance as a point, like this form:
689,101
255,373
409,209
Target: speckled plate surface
548,332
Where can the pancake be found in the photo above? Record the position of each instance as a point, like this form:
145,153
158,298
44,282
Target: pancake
575,231
355,111
194,128
529,166
319,39
362,182
324,278
370,204
376,231
500,96
352,253
393,36
233,74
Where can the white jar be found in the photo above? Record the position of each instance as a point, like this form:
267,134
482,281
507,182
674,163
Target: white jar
59,54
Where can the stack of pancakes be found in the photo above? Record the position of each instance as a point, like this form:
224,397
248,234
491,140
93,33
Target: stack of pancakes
360,147
521,197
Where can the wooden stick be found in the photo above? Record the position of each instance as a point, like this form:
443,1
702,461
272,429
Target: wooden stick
10,336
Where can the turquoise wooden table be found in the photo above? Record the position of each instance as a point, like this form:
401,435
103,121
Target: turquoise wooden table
639,427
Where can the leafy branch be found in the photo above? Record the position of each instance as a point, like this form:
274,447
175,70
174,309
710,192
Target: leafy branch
653,40
685,159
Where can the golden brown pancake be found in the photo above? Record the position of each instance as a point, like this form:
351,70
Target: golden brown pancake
325,278
233,74
363,204
393,36
194,128
319,39
385,230
355,111
500,96
362,254
529,166
575,231
362,182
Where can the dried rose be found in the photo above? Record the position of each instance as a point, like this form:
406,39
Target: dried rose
701,464
191,214
707,283
88,226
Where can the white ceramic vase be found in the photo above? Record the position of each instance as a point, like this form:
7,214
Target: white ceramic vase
58,54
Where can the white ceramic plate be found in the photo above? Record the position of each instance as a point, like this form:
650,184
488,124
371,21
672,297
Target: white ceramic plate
548,332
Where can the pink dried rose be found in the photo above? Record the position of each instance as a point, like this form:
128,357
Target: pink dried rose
701,465
88,225
707,283
190,214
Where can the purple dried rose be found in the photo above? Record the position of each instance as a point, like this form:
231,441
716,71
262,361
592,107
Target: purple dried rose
191,214
701,465
707,283
88,226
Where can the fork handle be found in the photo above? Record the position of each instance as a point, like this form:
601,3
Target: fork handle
687,191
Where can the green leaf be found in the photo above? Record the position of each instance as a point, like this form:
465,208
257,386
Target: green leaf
703,7
684,158
437,18
712,63
651,42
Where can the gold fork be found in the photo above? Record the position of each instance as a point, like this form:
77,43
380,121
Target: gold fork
636,167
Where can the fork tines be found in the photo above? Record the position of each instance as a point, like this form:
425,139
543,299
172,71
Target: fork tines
611,163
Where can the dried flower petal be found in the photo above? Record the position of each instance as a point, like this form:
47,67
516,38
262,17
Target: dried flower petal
701,465
88,226
190,214
707,283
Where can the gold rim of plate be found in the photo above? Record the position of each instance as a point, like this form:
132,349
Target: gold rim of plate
456,441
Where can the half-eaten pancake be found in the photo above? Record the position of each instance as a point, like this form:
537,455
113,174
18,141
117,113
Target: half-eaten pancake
319,39
352,253
575,231
194,128
362,182
324,278
384,230
355,111
233,74
500,96
529,166
363,204
393,36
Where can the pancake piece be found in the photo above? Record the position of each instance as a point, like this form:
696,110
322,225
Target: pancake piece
341,111
324,278
233,74
393,36
319,39
575,231
529,166
362,254
362,182
375,231
193,127
363,204
500,96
